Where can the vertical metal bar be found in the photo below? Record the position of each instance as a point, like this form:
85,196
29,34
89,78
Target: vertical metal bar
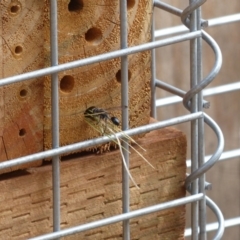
194,125
55,116
201,147
124,101
153,71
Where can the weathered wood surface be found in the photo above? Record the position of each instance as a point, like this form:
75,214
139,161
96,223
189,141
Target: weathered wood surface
91,190
85,29
92,28
21,104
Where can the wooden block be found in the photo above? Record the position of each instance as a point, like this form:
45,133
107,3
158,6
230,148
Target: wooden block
21,104
87,29
91,190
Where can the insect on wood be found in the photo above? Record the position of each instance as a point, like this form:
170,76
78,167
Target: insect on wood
93,112
100,120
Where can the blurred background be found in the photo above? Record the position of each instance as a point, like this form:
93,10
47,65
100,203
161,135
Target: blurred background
172,64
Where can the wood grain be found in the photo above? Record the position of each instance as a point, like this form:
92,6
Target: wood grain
21,104
85,29
90,30
91,190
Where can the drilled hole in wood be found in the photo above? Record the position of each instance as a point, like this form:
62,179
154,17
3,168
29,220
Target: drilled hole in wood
18,50
118,75
75,5
67,84
23,93
130,4
93,35
22,132
15,9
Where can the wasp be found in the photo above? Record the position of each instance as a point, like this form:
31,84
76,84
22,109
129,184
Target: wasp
94,112
100,120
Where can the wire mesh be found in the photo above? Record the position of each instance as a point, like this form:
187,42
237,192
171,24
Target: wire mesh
193,100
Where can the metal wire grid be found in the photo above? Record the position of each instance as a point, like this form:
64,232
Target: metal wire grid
192,100
227,88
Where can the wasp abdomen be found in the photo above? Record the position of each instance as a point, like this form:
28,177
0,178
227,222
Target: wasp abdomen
115,121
